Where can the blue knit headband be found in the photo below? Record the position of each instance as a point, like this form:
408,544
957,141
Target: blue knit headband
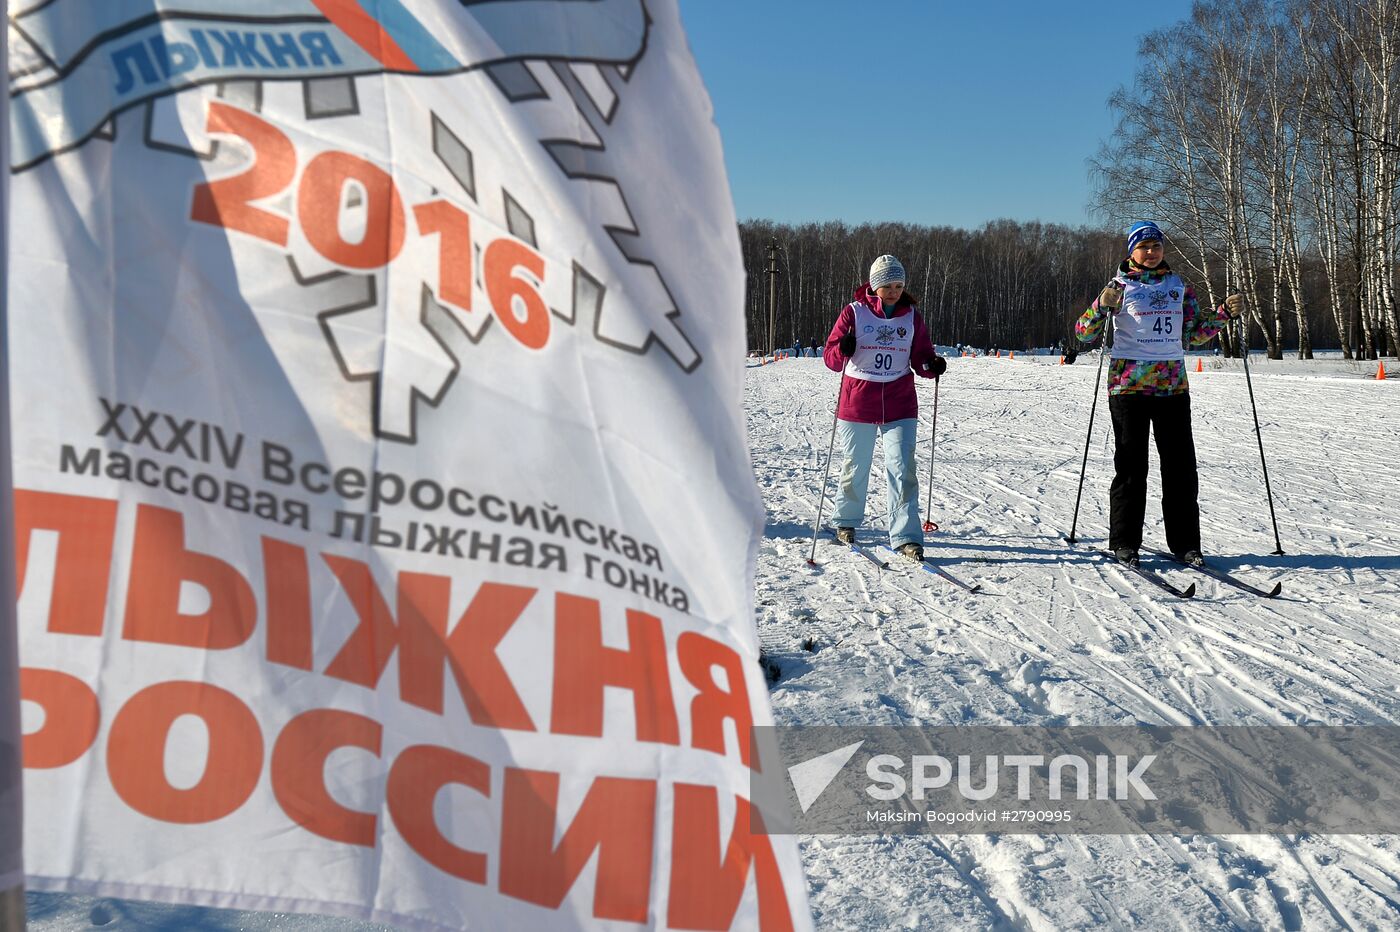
1142,231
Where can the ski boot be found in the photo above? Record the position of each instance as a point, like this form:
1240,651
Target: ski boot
913,551
1128,555
846,535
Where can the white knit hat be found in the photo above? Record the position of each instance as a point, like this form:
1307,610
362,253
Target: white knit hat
886,270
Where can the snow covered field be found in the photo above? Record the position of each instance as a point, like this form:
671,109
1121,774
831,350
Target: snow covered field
1062,638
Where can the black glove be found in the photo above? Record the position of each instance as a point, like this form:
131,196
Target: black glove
1071,354
847,346
937,365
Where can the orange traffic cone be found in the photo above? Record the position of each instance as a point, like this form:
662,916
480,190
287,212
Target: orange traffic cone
1198,365
1380,372
1013,354
1062,360
998,354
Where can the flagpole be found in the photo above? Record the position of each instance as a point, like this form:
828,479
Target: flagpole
12,909
11,805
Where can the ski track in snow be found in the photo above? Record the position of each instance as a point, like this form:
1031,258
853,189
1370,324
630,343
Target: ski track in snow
1064,637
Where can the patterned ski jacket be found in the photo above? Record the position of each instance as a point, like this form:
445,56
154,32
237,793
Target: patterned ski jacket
871,402
1152,377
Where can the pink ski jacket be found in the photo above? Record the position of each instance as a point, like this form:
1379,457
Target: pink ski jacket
879,402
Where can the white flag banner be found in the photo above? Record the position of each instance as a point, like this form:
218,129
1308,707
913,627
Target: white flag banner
385,524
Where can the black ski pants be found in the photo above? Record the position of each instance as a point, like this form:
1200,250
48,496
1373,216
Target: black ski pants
1169,417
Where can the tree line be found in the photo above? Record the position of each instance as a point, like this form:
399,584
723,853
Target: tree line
1262,135
1011,285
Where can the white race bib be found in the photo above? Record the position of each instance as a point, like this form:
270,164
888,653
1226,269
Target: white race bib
882,346
1149,325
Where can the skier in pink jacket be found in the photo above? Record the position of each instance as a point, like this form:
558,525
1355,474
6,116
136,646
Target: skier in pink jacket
879,343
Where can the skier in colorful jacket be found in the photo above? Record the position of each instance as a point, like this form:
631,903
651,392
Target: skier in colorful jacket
878,344
1155,316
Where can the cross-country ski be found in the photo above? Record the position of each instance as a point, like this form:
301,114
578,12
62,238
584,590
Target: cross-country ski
1220,575
855,548
1150,575
929,565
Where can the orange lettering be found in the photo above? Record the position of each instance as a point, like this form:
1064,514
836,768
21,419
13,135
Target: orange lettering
503,287
705,890
136,753
299,772
453,226
481,677
698,657
583,667
319,203
227,202
414,781
86,529
159,563
288,604
71,716
367,651
616,819
424,646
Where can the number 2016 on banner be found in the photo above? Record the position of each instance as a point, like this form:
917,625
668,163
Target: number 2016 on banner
231,203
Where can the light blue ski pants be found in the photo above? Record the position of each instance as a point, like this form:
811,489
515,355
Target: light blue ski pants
901,477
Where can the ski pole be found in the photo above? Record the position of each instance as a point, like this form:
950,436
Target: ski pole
826,474
929,526
1258,435
1083,467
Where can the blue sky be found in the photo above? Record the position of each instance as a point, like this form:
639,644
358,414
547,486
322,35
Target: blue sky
934,112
